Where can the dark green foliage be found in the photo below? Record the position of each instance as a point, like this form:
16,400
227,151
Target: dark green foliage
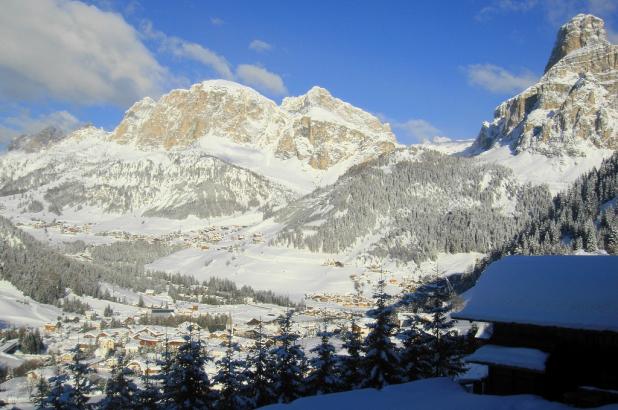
108,311
230,379
287,360
120,391
381,362
185,382
325,376
258,372
352,364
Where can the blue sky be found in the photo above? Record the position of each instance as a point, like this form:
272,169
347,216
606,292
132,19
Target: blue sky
430,68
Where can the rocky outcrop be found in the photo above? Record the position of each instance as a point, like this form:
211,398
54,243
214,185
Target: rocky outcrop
37,141
582,31
316,128
573,106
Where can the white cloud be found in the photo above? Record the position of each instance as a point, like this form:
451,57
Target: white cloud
503,7
25,123
69,51
497,79
557,12
418,129
216,21
260,46
261,79
185,49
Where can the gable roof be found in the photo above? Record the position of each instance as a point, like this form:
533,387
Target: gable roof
576,292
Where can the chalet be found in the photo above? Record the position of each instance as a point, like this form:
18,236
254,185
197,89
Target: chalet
161,312
50,327
553,327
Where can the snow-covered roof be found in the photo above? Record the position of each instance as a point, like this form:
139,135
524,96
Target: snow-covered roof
518,357
576,292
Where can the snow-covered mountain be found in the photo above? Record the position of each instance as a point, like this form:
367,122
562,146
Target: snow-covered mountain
85,170
306,141
410,205
217,149
568,121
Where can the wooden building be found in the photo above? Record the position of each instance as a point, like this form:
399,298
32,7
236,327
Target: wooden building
553,327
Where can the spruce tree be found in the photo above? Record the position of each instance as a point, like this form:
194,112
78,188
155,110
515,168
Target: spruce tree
41,392
185,382
445,346
259,372
352,363
612,240
382,362
230,379
288,362
147,398
79,373
60,396
325,375
415,352
120,392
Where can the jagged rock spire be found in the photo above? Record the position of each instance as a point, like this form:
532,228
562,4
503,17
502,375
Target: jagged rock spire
581,31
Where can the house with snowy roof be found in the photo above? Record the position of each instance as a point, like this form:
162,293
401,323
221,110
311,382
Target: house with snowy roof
553,327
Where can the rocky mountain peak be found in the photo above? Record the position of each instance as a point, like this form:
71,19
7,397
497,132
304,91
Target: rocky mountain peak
38,140
581,31
316,128
573,108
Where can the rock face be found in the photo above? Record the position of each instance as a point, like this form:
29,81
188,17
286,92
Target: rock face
572,107
582,31
37,141
316,128
166,157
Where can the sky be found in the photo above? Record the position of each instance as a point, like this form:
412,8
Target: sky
429,68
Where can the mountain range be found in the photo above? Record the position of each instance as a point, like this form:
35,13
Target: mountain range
330,176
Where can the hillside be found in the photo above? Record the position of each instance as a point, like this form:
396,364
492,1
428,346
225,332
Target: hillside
410,205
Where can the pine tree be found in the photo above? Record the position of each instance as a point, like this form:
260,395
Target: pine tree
120,392
612,240
415,352
42,391
229,379
352,364
108,311
325,375
60,395
445,346
287,361
147,398
590,237
259,372
82,385
185,382
382,362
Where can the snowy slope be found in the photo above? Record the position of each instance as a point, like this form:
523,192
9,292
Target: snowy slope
19,310
428,394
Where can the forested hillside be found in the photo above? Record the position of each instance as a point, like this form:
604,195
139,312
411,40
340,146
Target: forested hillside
583,218
411,205
44,273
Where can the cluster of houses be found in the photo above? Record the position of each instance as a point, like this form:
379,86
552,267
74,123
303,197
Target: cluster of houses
346,300
62,226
